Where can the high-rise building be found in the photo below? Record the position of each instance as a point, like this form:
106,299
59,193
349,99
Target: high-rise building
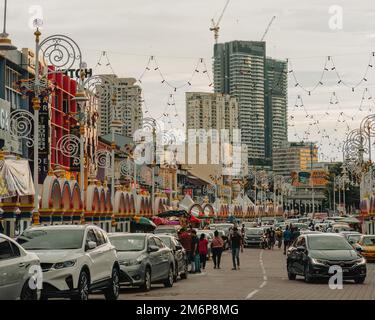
294,157
128,107
276,101
242,70
206,110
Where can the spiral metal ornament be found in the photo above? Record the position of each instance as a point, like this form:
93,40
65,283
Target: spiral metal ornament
150,124
61,52
355,143
166,137
21,125
368,125
103,159
69,145
126,168
100,89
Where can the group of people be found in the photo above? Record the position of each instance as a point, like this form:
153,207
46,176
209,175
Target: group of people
197,249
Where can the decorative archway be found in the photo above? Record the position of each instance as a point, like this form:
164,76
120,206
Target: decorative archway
65,215
50,200
76,202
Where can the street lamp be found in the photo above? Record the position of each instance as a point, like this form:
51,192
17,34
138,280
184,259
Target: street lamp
5,42
216,179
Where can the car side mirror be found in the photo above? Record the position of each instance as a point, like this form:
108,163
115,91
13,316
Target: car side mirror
178,247
152,248
90,245
301,249
359,249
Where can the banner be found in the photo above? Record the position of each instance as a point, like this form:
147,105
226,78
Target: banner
303,178
43,146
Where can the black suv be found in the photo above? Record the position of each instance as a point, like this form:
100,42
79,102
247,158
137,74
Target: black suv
313,255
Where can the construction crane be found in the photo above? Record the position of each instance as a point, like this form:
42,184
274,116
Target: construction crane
268,28
215,25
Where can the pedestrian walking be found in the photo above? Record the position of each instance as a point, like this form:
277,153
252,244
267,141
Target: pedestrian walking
217,246
195,262
203,250
236,242
279,237
185,238
287,235
271,235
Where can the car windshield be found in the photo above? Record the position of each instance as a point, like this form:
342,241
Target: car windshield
354,238
164,230
128,243
328,243
369,241
167,241
51,239
254,231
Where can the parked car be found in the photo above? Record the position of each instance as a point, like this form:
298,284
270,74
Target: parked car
168,229
180,258
144,259
366,246
339,227
352,236
311,256
250,224
16,271
253,237
75,260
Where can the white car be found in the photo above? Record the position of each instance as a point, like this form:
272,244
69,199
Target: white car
17,271
75,259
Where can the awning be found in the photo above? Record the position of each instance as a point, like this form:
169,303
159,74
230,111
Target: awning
195,181
15,178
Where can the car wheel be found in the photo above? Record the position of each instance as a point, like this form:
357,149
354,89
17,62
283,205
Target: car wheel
291,275
113,291
169,281
27,293
360,280
308,278
147,284
83,287
185,273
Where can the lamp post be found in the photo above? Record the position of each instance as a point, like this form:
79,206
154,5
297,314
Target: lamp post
5,42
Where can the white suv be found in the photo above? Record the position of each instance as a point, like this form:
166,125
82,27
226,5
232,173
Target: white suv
75,260
18,269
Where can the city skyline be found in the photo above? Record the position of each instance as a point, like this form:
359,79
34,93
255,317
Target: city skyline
294,35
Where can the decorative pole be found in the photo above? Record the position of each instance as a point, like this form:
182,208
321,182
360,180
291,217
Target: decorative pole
36,107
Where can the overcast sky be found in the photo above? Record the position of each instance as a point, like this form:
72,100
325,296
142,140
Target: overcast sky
177,33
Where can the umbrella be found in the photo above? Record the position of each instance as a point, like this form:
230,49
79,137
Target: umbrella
194,219
157,220
144,221
171,213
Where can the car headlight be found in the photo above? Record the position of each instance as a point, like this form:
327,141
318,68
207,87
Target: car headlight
65,264
360,261
133,262
319,261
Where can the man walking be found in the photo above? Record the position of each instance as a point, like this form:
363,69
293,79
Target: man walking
236,243
195,261
287,235
186,241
